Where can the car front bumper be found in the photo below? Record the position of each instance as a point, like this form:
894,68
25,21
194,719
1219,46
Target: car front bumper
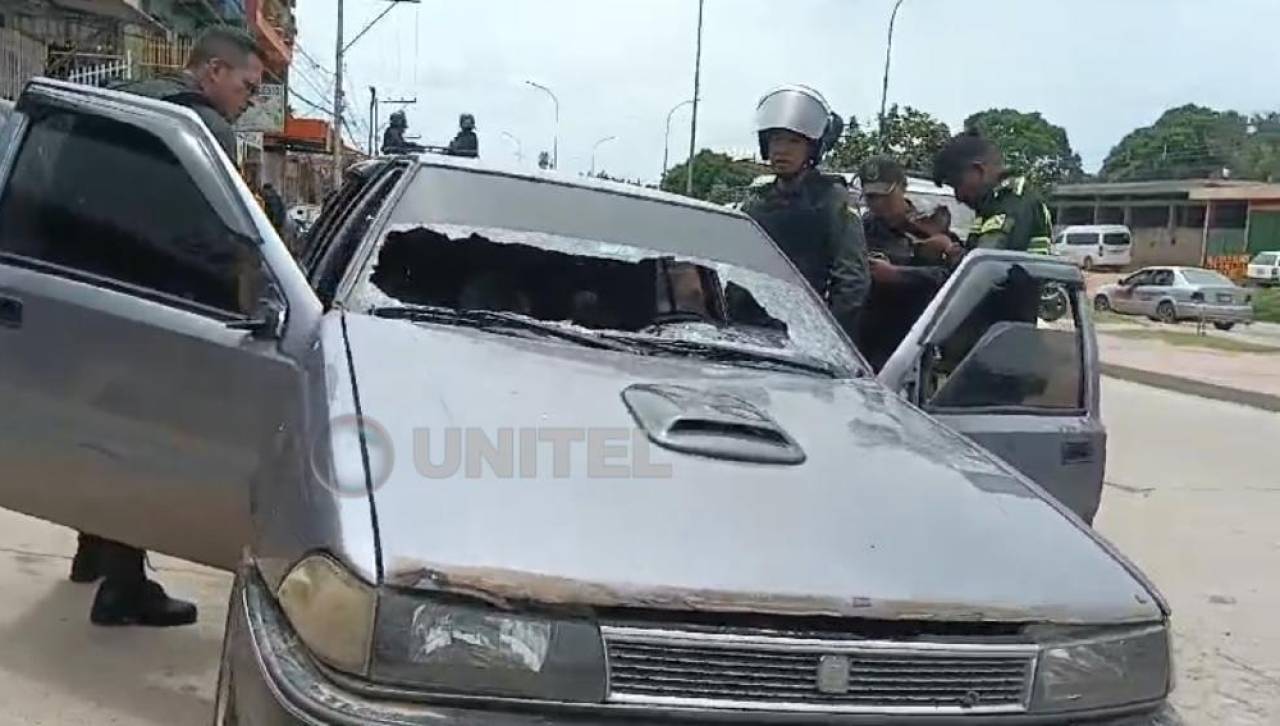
276,683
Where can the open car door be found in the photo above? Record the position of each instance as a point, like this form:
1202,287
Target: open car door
1006,355
150,326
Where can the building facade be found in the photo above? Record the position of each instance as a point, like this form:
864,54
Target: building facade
102,42
1216,223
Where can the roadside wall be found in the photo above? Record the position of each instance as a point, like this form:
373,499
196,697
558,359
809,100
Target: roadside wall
1166,246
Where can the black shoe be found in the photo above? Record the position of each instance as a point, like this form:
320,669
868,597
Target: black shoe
85,566
145,603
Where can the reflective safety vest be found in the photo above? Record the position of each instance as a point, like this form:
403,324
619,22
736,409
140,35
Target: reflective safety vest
1012,217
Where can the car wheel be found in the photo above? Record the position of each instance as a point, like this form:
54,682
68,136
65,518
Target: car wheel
1087,264
1101,304
1166,313
1224,326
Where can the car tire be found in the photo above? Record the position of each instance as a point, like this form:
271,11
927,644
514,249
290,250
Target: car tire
1101,304
1087,264
1166,312
1224,326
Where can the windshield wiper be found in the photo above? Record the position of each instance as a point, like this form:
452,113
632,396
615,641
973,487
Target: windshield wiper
496,320
732,354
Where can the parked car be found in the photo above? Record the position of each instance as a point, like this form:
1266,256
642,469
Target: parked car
1095,245
1170,294
1264,269
736,522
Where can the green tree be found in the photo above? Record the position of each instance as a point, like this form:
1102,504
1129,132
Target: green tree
1259,157
1188,142
911,136
717,177
1030,144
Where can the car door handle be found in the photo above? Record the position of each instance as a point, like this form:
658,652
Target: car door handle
10,312
1077,452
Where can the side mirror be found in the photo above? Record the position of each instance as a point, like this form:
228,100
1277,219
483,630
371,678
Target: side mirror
267,321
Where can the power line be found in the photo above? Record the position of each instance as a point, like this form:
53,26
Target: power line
309,102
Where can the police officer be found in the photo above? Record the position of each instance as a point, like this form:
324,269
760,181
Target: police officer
465,143
911,253
393,141
806,212
1011,215
221,77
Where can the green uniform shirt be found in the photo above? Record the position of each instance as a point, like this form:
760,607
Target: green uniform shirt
1012,217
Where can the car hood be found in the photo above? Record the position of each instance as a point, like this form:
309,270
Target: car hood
888,515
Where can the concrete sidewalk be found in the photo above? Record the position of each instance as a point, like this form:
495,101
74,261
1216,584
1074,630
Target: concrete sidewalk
1251,379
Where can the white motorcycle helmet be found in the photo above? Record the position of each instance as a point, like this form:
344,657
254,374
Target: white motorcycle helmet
802,110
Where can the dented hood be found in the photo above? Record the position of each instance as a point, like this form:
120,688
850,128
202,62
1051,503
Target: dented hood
887,515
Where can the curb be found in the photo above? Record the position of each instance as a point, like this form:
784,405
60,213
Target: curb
1191,387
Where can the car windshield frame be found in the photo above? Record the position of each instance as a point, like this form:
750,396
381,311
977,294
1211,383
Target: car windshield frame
1266,259
406,211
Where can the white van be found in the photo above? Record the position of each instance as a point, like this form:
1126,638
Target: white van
922,192
1095,245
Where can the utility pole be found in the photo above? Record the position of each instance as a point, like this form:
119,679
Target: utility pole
337,103
340,52
373,120
697,86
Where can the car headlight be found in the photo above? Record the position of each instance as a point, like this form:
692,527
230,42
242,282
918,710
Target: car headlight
459,647
331,610
1112,669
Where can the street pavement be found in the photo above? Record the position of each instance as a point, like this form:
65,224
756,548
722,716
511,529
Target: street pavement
1193,498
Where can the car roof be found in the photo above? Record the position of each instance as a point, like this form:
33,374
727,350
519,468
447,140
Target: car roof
547,176
1095,228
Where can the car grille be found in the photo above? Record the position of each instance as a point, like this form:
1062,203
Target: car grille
716,670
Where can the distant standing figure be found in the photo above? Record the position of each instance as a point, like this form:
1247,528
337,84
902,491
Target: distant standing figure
393,141
275,206
466,143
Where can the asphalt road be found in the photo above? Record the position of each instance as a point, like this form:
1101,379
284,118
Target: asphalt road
1194,500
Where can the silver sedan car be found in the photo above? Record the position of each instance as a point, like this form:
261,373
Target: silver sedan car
510,448
1171,294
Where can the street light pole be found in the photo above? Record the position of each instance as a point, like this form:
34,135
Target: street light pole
555,140
697,86
593,153
519,146
888,54
666,142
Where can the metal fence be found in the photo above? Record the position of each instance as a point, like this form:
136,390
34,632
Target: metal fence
21,59
104,74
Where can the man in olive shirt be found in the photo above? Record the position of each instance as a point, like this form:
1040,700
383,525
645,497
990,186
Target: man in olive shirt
221,77
1011,215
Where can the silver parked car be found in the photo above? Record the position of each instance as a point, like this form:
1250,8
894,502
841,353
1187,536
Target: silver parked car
1170,294
510,449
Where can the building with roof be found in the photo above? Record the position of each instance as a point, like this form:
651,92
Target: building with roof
1211,222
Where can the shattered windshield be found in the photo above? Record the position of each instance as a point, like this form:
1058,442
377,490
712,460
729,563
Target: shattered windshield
660,298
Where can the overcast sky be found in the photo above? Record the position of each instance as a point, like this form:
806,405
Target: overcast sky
1099,68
